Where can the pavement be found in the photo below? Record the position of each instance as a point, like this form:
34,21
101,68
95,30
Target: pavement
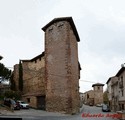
33,114
30,111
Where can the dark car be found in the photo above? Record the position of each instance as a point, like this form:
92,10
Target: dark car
105,108
12,104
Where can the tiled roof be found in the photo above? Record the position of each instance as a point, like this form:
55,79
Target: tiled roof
69,19
35,58
120,71
97,84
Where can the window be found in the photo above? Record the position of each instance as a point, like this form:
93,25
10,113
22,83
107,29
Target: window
98,88
121,82
28,100
87,96
60,25
122,106
40,58
122,92
50,29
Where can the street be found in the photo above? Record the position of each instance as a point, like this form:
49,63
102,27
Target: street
87,113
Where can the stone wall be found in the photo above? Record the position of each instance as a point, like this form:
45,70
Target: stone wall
98,95
33,80
61,65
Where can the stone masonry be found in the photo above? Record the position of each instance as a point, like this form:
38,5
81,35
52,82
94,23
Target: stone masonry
98,93
34,80
51,79
95,96
61,66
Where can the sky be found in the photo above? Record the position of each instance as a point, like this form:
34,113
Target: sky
100,25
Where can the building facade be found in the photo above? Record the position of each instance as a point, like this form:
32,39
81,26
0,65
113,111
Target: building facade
89,97
34,81
95,96
121,88
112,87
116,90
61,66
98,93
51,79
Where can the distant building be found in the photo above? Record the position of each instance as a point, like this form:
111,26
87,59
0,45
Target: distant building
112,87
116,90
98,93
95,96
82,96
89,97
121,88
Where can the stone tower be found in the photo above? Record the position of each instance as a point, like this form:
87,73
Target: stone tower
98,93
61,66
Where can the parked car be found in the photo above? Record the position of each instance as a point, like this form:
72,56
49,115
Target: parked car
23,104
99,105
105,108
12,104
90,104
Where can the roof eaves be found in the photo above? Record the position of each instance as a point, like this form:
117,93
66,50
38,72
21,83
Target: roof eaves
120,71
35,58
69,19
98,84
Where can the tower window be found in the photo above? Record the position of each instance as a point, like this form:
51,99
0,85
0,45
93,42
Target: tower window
98,88
60,25
40,58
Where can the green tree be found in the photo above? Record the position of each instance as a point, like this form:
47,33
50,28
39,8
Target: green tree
1,57
105,97
20,76
13,94
12,85
5,73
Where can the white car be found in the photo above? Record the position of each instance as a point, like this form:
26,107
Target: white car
23,104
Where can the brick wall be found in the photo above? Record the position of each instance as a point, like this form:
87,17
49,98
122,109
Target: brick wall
61,66
98,94
33,80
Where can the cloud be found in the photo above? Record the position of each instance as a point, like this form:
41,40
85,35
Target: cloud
100,24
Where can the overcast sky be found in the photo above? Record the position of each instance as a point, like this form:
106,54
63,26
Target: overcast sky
100,25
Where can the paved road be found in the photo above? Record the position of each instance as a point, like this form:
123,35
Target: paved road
86,114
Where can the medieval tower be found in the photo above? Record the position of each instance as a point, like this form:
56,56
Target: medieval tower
61,66
98,93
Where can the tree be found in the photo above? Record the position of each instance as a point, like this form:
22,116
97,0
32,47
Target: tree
20,76
5,73
12,85
13,94
1,57
105,97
